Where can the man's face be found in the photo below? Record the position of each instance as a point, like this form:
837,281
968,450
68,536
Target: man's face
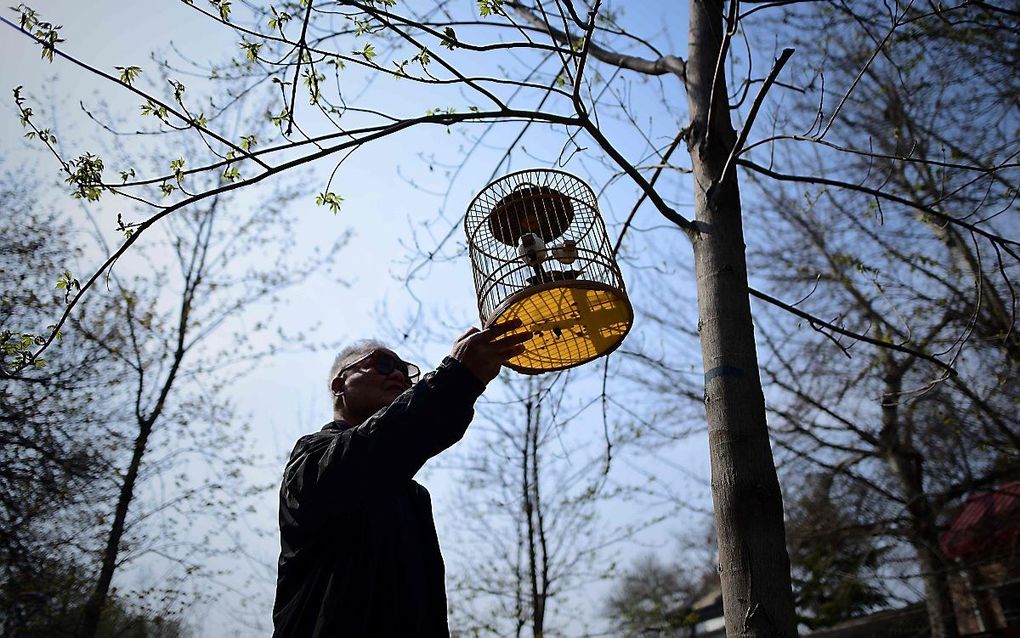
365,389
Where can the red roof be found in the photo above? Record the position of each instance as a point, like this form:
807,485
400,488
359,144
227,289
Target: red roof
988,520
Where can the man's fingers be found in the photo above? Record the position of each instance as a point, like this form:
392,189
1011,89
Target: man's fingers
501,328
516,350
513,340
467,333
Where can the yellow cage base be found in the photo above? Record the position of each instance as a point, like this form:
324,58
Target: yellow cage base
573,323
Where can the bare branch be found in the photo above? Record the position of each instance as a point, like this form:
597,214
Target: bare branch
817,322
661,66
1004,242
746,129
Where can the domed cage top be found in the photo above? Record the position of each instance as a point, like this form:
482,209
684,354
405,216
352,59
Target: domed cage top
540,252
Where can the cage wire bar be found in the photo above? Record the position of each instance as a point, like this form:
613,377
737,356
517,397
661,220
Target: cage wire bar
540,252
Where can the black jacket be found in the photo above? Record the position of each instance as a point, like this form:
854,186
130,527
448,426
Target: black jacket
359,553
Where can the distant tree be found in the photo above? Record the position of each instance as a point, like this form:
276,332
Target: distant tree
140,394
226,260
60,424
834,560
529,531
652,596
933,118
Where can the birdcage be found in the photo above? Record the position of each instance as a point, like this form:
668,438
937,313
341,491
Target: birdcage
540,252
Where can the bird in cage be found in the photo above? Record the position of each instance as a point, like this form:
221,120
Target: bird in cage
531,250
534,253
565,254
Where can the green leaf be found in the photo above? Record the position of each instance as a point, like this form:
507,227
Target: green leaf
128,74
155,110
68,284
489,7
179,89
86,175
46,32
367,52
278,19
177,167
122,226
224,8
423,58
330,199
450,38
251,50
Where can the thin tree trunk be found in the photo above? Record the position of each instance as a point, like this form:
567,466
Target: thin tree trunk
97,600
543,565
753,562
193,276
906,465
529,513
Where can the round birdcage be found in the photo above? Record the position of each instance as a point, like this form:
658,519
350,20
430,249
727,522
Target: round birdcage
540,252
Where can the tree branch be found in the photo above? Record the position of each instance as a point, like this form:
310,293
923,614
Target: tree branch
115,80
663,65
746,129
812,179
816,322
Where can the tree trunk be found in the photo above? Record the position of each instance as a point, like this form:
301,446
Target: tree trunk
753,562
543,564
906,465
528,493
97,600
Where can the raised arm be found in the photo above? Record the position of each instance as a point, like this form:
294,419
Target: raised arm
336,469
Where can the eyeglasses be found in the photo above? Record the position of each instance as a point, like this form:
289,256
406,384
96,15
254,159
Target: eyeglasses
385,363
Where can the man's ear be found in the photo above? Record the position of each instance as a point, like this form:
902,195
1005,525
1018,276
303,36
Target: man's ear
337,386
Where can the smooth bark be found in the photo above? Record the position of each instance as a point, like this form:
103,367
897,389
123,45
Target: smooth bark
753,562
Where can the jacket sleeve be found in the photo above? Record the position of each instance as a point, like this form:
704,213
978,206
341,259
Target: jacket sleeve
333,471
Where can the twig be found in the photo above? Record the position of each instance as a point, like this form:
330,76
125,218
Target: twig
758,100
665,209
297,68
665,64
719,61
682,135
589,32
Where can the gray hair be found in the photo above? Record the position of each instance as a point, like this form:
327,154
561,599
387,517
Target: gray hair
350,354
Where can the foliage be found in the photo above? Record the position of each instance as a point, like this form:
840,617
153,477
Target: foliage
653,596
833,560
46,601
59,423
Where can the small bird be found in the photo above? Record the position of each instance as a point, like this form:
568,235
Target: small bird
567,253
531,249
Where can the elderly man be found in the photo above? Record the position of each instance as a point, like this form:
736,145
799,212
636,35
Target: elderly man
359,554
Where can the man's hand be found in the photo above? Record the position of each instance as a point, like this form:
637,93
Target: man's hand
484,351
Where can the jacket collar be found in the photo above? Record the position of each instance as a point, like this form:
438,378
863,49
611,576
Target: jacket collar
335,425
